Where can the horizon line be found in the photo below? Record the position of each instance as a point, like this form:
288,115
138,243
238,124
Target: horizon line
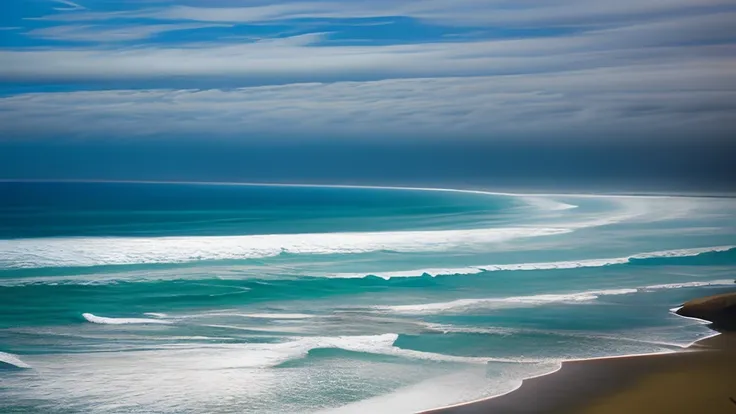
379,187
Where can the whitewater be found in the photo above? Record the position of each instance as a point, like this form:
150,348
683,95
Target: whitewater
220,297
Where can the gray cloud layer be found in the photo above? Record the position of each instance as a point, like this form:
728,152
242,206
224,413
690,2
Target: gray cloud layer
650,68
530,13
593,104
101,33
677,40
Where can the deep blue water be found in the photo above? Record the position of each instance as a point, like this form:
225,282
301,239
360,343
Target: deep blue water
188,298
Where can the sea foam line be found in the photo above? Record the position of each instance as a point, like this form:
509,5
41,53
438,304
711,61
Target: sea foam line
100,251
274,316
150,276
497,303
570,264
506,331
122,321
460,305
267,355
84,252
13,360
721,282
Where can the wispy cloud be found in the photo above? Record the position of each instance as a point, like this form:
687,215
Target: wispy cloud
506,12
583,68
70,6
595,104
102,33
302,58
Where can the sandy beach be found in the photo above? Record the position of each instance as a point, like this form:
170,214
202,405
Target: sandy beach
700,379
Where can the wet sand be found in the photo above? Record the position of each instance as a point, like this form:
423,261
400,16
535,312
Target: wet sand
700,379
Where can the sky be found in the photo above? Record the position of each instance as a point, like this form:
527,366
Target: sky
419,81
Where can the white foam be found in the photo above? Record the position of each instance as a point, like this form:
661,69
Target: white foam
98,251
544,203
266,355
152,275
122,321
284,316
503,331
537,300
722,282
13,360
269,355
278,315
156,315
383,345
430,356
497,303
273,316
66,252
445,329
683,252
410,273
277,330
570,264
449,390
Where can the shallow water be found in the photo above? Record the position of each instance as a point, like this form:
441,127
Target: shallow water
178,298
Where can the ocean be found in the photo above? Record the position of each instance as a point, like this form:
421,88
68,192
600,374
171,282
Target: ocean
124,297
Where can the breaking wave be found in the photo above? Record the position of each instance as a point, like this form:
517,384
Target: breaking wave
122,321
12,360
498,303
571,264
85,252
461,305
268,355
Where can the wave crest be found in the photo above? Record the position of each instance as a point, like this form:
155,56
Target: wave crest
86,252
268,355
122,321
570,264
461,305
497,303
12,360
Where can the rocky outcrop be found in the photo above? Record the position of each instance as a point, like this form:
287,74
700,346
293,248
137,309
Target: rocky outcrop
719,309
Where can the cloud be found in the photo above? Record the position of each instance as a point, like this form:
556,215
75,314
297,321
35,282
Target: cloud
71,6
658,101
608,70
463,12
101,33
306,58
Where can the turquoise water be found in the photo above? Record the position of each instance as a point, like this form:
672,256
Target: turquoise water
189,298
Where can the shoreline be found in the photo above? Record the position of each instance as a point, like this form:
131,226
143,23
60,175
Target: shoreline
591,385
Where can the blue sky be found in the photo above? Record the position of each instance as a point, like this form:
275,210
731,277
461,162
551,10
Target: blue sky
384,69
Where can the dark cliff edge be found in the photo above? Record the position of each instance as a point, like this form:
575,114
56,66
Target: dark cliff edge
718,309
